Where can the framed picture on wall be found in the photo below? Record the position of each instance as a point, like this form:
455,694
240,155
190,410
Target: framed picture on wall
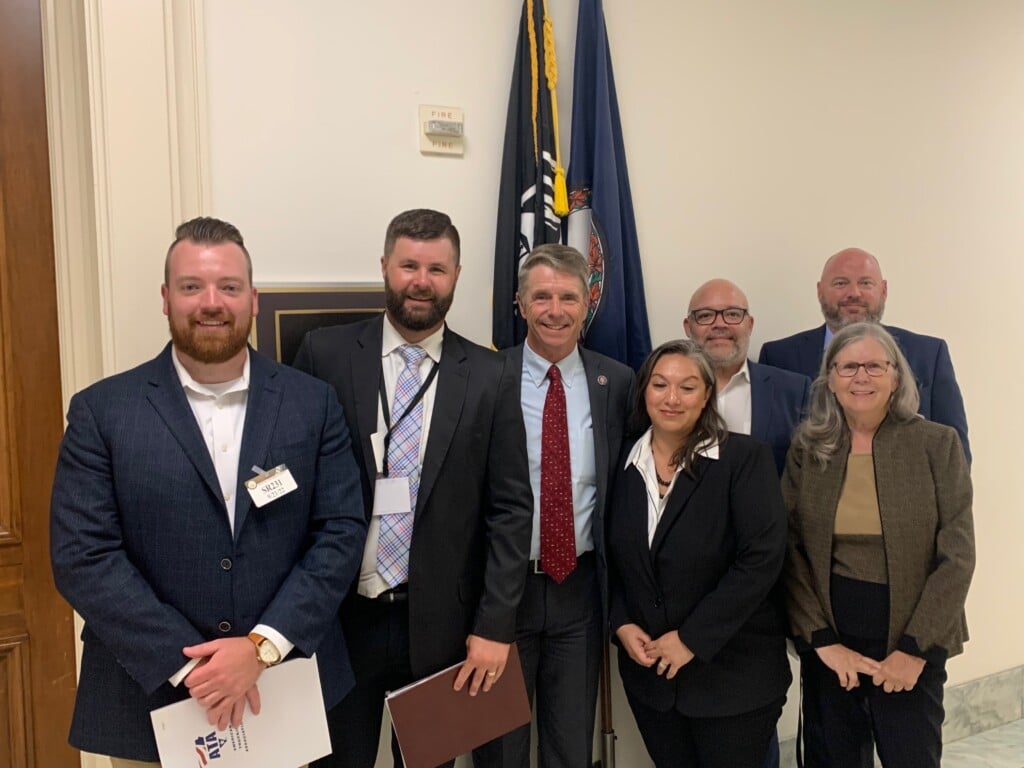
288,312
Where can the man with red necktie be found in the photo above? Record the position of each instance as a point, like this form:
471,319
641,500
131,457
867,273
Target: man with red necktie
574,405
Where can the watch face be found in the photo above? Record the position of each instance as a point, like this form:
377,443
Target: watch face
268,653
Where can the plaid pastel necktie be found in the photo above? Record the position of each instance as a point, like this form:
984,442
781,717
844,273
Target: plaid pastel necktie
395,535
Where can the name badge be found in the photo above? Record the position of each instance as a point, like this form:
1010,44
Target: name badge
270,485
377,443
391,496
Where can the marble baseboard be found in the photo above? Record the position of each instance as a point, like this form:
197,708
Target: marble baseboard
983,704
971,708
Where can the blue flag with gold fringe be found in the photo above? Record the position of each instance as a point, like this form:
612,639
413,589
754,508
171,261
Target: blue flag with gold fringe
601,223
531,197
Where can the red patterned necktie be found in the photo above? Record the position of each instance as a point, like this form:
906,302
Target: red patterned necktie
557,536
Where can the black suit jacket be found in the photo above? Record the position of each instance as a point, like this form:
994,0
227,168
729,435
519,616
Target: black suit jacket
778,401
710,574
610,384
928,356
142,547
471,536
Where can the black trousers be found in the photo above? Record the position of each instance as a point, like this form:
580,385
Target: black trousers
377,634
674,740
841,727
558,632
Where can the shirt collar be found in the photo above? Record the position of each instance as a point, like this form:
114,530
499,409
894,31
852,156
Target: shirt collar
828,336
743,373
240,384
536,367
641,452
392,340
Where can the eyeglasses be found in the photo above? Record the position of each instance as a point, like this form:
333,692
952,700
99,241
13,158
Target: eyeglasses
872,367
730,315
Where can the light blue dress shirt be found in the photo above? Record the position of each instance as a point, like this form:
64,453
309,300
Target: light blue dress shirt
581,440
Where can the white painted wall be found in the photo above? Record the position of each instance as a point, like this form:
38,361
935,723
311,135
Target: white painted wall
761,138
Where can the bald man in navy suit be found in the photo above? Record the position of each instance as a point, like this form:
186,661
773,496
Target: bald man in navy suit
757,400
852,290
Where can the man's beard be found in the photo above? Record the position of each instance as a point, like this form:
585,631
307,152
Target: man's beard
719,359
835,320
416,321
206,346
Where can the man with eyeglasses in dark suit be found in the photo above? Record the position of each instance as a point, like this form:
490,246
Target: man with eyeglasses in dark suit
762,401
754,399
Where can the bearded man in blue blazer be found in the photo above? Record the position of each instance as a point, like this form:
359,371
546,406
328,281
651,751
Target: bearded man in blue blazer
754,399
190,582
852,290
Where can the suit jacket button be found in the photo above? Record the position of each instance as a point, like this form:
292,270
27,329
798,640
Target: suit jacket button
226,564
224,626
657,602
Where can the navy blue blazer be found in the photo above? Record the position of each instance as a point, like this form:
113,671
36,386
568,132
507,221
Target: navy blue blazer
142,548
778,401
928,356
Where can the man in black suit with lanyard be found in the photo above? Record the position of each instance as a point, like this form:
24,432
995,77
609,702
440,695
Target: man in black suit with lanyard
438,435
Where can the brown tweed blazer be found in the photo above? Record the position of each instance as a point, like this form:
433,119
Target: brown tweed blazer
924,500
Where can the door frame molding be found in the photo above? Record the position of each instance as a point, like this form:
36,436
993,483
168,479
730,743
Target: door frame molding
124,172
105,188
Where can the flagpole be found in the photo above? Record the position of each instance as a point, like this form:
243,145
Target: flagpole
607,729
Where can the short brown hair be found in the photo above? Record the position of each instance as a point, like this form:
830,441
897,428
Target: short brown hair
561,258
422,224
206,230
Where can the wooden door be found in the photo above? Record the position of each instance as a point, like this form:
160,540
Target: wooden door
37,655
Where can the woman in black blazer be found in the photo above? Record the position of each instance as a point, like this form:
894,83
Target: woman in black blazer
697,538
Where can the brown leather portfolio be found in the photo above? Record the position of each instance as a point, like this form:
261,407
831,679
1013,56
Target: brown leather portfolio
435,723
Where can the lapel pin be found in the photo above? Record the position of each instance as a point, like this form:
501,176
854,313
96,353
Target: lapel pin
602,380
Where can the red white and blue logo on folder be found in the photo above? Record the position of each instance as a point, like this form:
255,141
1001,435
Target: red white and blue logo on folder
208,748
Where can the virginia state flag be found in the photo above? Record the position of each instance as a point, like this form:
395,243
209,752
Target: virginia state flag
601,224
529,169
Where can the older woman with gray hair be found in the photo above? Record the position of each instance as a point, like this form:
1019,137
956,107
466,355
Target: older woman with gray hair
880,557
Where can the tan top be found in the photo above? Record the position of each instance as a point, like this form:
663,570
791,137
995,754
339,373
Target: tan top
857,511
858,551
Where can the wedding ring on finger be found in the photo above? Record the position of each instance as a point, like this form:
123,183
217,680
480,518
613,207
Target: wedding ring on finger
492,674
662,666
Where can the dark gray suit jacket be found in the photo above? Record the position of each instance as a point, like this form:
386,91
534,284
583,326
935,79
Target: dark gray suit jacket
142,548
611,387
471,537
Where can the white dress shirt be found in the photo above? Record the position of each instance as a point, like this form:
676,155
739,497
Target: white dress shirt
220,413
734,401
642,457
